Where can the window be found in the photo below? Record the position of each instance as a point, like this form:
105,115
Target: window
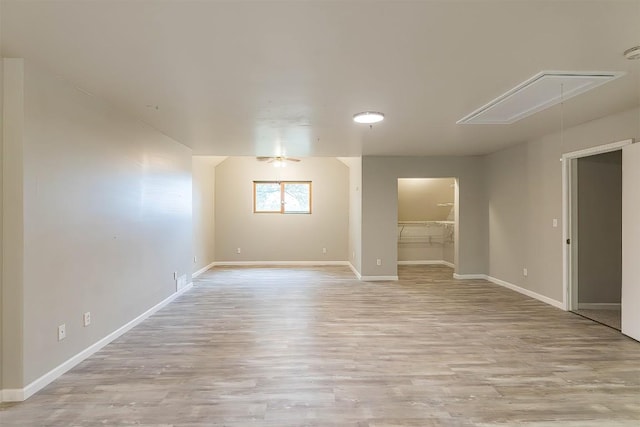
286,197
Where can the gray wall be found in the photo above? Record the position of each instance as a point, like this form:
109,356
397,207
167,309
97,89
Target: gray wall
12,225
525,195
380,209
107,220
203,213
509,213
281,237
600,228
355,211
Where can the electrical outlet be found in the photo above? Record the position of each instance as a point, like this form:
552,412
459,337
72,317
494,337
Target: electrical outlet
195,260
62,332
378,261
238,250
324,250
525,272
86,319
181,282
555,222
175,275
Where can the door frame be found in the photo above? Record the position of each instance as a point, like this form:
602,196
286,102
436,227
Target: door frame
569,215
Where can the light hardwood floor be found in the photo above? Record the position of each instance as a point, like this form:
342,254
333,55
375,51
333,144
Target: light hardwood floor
314,347
611,318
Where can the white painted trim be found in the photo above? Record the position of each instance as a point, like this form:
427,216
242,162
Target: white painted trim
469,276
283,263
378,278
289,263
599,306
11,395
355,271
527,292
566,233
456,220
600,149
427,262
18,395
566,212
202,270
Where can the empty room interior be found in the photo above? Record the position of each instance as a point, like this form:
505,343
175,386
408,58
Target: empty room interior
348,213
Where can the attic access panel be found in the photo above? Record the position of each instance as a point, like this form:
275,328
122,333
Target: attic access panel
541,91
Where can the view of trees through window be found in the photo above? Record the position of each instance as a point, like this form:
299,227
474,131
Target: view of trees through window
282,197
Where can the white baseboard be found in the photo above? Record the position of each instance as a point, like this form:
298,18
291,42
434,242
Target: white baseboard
427,262
523,291
283,263
12,395
378,278
527,292
293,263
355,271
599,306
470,276
372,278
202,270
18,395
307,263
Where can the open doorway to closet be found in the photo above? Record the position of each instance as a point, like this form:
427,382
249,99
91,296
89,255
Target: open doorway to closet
426,221
596,238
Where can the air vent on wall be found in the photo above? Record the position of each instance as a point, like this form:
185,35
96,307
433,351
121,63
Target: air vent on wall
541,91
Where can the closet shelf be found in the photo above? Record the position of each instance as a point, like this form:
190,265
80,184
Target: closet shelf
426,222
429,232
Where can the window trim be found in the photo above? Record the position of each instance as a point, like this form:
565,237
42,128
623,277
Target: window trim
282,197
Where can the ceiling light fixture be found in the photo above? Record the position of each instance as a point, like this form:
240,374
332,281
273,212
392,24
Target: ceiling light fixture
368,117
632,53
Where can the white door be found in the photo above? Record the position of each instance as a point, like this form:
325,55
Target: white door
631,241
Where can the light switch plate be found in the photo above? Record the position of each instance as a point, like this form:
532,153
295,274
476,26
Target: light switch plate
62,332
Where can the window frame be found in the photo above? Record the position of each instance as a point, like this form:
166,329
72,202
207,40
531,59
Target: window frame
282,197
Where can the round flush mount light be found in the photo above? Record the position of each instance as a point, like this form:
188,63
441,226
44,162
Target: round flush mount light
368,117
632,53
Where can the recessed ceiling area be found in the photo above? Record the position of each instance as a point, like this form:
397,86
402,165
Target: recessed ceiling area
265,78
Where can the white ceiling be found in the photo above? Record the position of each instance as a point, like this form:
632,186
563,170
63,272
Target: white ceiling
285,77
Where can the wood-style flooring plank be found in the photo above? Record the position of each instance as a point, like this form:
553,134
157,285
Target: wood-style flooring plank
312,346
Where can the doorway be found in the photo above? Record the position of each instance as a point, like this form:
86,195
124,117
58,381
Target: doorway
594,241
427,221
598,233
